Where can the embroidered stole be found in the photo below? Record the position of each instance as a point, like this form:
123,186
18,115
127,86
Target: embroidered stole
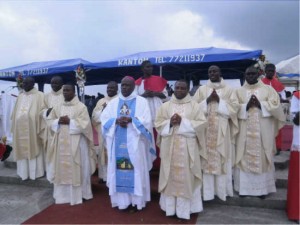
65,149
23,134
213,163
124,167
253,138
179,169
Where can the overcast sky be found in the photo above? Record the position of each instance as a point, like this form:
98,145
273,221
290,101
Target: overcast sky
101,30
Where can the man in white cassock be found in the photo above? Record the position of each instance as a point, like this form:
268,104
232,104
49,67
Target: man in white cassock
27,131
126,125
52,99
112,92
220,105
71,151
180,124
260,117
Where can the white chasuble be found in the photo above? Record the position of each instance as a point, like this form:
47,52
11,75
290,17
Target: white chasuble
71,154
217,162
255,143
26,129
180,172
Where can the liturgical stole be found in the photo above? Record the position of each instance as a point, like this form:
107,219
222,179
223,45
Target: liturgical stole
124,167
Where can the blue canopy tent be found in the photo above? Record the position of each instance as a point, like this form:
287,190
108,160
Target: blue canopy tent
171,64
175,64
44,71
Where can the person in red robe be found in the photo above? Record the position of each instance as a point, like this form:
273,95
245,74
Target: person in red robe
153,88
270,79
292,205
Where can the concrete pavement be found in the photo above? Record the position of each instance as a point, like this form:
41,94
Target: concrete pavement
20,200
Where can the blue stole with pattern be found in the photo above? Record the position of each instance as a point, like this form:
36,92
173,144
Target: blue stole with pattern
124,167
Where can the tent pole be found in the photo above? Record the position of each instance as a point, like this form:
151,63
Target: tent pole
41,86
160,71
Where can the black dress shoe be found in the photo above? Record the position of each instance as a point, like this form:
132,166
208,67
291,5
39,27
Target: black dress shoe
132,209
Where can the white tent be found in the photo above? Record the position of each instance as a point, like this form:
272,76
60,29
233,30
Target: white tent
289,66
288,73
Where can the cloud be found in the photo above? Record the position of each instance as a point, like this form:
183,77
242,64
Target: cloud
26,38
146,27
101,30
185,29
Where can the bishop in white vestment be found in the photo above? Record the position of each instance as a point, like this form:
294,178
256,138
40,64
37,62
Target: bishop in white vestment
126,127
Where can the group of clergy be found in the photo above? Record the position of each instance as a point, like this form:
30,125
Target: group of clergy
204,142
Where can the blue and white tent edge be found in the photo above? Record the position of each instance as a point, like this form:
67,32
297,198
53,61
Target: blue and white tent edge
43,68
171,64
180,56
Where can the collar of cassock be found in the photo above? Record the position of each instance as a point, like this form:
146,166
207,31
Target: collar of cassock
253,86
216,85
57,93
131,96
32,91
73,102
186,99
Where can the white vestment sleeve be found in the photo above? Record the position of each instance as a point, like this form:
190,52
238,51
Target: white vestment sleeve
222,109
167,130
242,114
45,113
186,129
265,112
203,106
55,126
108,119
73,128
97,117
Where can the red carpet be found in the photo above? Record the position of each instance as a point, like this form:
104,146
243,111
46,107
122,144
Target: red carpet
99,211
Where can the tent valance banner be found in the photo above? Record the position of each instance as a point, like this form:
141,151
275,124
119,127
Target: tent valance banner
42,69
171,64
184,56
175,64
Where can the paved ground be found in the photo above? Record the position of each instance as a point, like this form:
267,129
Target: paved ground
19,200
